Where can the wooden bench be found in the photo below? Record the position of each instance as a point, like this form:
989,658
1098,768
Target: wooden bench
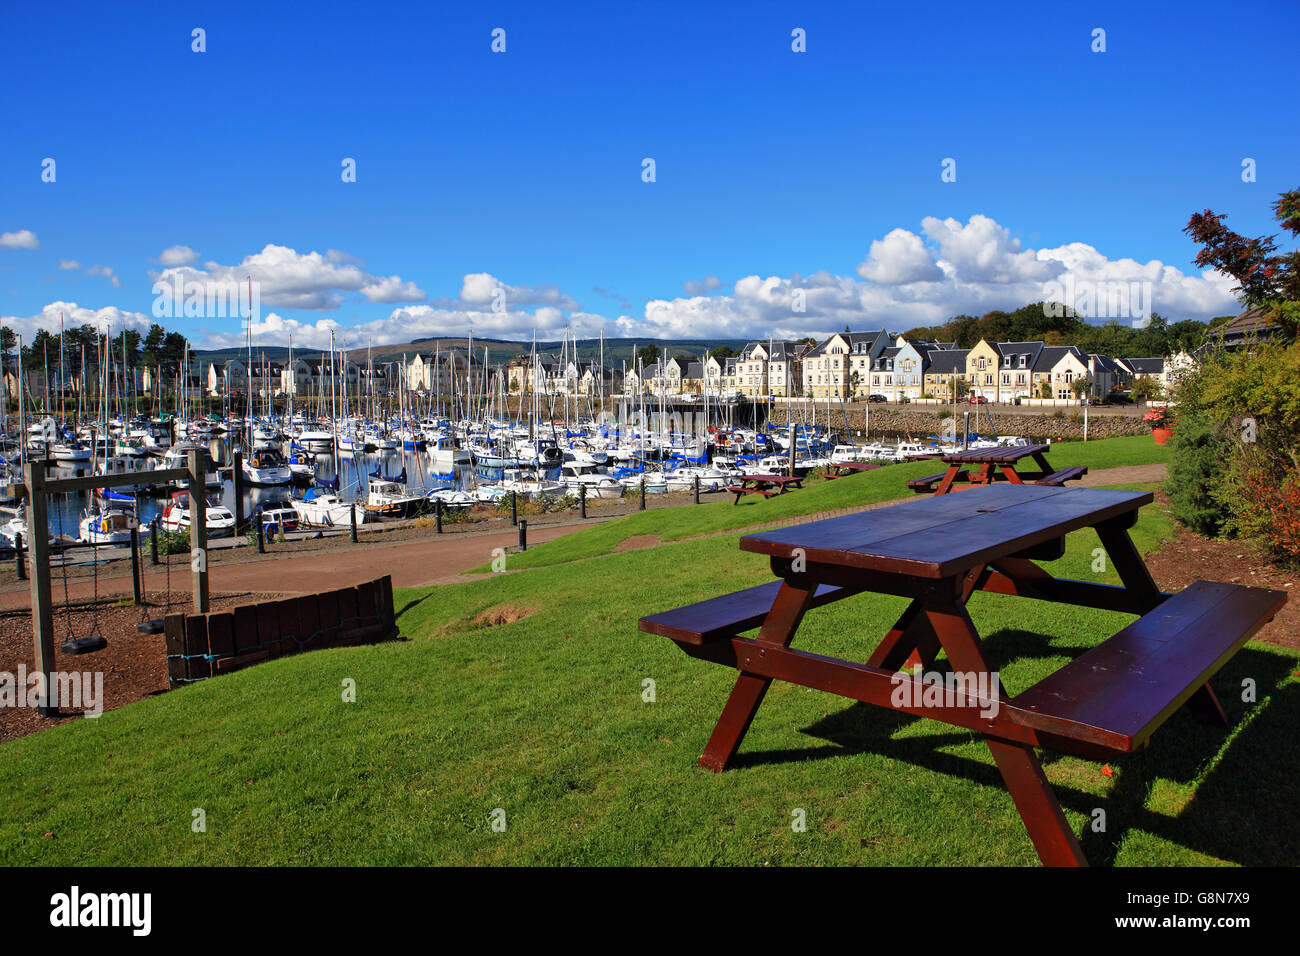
1059,478
1118,693
724,617
930,482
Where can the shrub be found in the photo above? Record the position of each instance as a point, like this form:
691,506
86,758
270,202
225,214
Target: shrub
1198,450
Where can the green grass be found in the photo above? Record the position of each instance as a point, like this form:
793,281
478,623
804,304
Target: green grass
720,513
544,718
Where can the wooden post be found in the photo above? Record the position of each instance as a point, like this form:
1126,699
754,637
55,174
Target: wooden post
199,528
19,567
790,471
643,487
352,514
237,476
582,499
38,540
136,583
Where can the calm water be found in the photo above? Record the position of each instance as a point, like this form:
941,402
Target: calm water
66,510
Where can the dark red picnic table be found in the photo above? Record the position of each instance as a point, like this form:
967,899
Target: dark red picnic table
982,466
765,485
937,551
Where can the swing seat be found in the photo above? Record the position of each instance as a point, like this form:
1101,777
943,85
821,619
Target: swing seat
84,645
154,626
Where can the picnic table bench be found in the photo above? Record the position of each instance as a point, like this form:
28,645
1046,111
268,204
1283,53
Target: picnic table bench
982,466
765,485
843,469
938,551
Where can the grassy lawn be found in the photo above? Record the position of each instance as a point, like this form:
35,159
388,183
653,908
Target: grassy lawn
720,513
544,719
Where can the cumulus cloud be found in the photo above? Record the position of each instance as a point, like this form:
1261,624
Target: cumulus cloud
289,279
105,272
702,286
108,318
900,258
67,265
485,289
22,239
177,256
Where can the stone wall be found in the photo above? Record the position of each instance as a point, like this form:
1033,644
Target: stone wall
921,421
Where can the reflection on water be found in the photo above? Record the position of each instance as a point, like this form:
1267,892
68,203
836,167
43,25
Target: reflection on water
353,473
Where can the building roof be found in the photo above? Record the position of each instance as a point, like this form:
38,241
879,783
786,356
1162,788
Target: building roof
1144,366
947,361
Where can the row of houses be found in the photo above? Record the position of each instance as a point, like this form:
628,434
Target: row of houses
855,365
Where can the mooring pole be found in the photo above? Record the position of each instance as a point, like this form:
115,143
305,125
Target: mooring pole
38,534
198,461
238,477
136,576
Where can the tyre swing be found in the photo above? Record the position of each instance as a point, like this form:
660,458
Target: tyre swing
154,625
94,641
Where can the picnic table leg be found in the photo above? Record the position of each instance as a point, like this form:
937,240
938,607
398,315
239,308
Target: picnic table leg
778,628
1012,476
1039,809
912,642
946,484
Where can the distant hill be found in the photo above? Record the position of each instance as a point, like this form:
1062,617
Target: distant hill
499,350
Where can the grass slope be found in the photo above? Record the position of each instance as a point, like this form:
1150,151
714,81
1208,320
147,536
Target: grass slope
544,718
720,513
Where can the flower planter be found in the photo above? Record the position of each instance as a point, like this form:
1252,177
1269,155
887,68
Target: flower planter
1161,435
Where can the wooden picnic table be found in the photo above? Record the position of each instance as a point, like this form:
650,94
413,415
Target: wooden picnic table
981,466
765,485
937,551
844,468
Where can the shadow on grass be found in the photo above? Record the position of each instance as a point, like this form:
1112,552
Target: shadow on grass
1243,780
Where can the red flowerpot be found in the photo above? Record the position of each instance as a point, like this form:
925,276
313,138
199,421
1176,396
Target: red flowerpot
1161,435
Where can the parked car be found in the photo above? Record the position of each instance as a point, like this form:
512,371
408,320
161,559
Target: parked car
978,400
876,397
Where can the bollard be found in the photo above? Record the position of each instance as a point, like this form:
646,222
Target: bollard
261,534
643,492
514,509
523,535
153,542
437,515
136,576
19,565
582,500
697,489
353,512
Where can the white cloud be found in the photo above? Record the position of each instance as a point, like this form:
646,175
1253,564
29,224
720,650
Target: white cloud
481,289
293,280
177,256
67,265
22,239
106,273
900,258
74,316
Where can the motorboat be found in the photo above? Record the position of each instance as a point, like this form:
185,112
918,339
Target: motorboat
111,526
267,467
218,520
323,508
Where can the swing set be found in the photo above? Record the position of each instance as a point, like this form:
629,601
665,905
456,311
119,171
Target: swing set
37,489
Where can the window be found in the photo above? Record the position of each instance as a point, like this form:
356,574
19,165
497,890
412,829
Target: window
981,365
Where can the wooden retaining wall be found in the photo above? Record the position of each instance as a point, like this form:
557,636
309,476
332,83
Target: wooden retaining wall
205,645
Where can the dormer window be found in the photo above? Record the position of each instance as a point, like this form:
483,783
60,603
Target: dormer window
1022,360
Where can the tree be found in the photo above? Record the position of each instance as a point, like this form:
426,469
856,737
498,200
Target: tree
1144,389
648,354
1081,386
1044,389
1264,277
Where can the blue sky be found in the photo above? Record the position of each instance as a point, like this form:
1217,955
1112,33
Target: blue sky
775,171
